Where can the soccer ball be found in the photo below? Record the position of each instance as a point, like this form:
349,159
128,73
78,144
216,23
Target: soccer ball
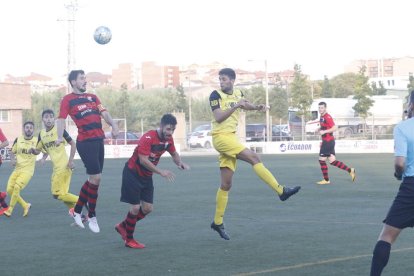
102,35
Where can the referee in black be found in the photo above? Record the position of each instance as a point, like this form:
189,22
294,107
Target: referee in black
401,213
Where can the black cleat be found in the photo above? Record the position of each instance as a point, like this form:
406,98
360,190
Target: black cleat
288,192
220,229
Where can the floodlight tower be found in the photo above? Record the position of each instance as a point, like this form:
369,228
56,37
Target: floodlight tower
72,8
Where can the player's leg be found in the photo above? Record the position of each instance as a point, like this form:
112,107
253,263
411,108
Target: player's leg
20,183
3,204
382,249
60,188
339,164
324,153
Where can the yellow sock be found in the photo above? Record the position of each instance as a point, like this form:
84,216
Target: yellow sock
69,199
268,177
221,203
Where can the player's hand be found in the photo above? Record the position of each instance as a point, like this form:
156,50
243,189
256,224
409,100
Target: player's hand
242,104
398,177
70,165
262,107
322,132
58,142
183,166
114,132
170,176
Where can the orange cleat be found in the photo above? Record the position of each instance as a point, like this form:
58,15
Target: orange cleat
134,244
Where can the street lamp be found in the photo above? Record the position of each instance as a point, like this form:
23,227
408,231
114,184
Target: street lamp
268,128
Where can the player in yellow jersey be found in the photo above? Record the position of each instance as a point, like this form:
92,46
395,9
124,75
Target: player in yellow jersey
24,160
62,165
226,104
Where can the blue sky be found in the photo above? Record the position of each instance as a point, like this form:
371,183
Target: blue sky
322,36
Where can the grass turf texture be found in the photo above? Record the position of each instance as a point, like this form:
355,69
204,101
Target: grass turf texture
324,230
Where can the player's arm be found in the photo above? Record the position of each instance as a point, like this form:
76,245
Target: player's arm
259,107
177,160
4,142
144,161
108,119
332,125
219,114
401,149
72,152
13,153
399,167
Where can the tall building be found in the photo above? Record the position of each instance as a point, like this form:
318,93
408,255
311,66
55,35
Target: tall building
158,76
125,75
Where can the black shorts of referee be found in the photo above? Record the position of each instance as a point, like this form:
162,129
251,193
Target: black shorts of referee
401,213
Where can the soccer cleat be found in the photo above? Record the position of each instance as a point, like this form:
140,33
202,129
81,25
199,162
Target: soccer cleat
323,182
3,210
220,229
8,213
288,192
134,244
26,209
353,174
121,230
93,225
77,217
3,195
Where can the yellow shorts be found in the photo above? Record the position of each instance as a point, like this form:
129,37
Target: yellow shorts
61,181
18,178
228,145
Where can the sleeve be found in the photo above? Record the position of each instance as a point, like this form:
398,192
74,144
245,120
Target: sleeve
64,108
214,100
2,137
14,147
101,108
330,121
144,144
400,143
66,136
171,149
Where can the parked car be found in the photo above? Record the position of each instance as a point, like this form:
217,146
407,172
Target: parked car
257,133
201,139
131,138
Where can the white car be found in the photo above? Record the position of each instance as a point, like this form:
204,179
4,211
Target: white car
201,138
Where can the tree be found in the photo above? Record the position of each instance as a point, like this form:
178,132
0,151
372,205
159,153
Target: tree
362,93
278,100
378,91
326,88
301,96
343,85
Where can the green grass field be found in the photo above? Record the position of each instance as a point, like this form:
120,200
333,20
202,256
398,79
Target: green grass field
324,230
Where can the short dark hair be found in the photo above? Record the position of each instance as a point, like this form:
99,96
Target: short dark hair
322,103
228,72
48,111
28,123
73,75
168,119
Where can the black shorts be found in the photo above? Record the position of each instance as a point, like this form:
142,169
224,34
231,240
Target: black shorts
401,213
327,148
92,154
135,187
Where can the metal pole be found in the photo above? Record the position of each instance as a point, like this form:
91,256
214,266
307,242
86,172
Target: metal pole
268,130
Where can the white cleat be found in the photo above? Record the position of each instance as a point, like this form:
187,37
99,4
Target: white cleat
93,225
78,220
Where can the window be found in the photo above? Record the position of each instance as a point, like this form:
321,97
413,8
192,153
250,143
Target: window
4,115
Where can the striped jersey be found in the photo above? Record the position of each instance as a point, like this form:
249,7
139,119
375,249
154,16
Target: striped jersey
152,146
46,143
85,110
326,122
25,161
224,101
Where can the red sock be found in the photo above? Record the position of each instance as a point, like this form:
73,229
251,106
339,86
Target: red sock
340,165
129,224
83,197
324,169
93,197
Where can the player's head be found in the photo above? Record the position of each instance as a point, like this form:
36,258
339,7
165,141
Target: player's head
48,118
28,128
227,76
77,80
322,108
410,107
167,126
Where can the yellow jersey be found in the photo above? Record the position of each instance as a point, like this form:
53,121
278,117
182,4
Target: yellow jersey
224,101
46,143
25,161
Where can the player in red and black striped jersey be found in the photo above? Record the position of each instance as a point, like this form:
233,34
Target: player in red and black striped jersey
86,111
3,205
137,186
327,151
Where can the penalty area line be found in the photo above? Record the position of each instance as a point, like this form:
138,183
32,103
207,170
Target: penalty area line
328,261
